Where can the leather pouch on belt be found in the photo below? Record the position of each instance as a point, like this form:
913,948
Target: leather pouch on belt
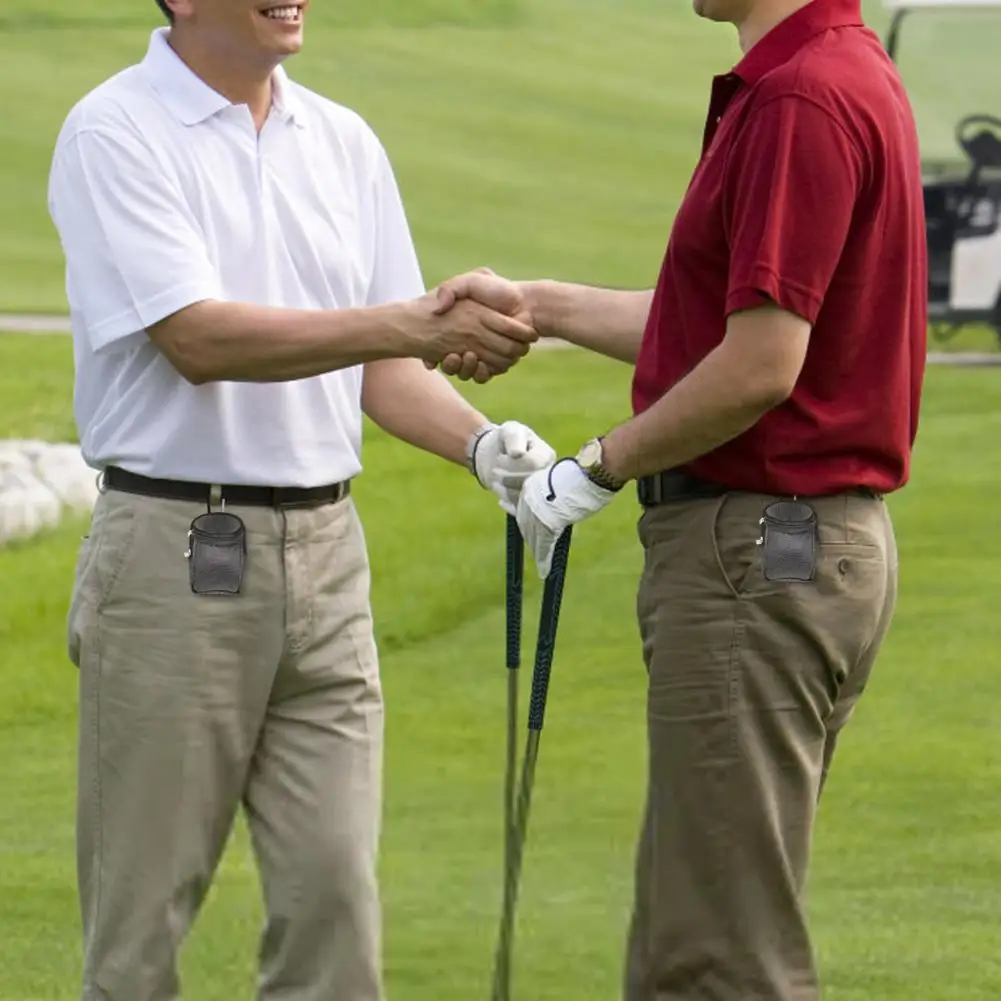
789,542
217,553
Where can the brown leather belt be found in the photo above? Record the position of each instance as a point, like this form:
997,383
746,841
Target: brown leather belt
116,478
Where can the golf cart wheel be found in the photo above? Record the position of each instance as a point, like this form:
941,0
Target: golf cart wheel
942,331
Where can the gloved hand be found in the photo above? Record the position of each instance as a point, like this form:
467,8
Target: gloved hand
504,456
552,500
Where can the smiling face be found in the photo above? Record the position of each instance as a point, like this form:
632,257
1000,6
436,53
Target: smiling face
254,31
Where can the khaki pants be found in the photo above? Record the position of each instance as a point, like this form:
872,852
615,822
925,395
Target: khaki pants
193,706
750,682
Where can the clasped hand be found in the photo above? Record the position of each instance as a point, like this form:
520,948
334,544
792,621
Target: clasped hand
503,302
552,500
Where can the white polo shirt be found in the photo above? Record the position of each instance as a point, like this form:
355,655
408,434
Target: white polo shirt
164,195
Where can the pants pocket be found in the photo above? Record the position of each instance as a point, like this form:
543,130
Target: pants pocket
82,597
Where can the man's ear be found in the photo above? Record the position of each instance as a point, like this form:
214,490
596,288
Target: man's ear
182,10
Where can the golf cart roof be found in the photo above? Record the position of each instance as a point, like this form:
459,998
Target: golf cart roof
938,4
901,8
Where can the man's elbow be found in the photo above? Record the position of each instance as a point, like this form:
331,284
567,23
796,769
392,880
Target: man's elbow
765,350
763,388
181,345
773,388
192,365
765,382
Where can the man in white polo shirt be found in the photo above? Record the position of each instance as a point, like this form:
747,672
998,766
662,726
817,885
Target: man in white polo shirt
243,285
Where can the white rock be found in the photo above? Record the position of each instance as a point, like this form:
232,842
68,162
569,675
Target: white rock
29,505
63,470
39,484
11,458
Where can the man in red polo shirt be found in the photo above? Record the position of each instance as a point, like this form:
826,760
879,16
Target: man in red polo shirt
779,365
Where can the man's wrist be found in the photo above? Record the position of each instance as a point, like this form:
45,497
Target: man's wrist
614,456
405,328
472,448
541,301
592,460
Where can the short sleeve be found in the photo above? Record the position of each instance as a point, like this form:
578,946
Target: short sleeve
134,252
396,272
791,186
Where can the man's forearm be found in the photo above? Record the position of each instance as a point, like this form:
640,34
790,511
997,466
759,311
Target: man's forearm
419,407
241,342
608,321
753,370
708,408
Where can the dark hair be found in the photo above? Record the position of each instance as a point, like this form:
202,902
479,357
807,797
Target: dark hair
167,12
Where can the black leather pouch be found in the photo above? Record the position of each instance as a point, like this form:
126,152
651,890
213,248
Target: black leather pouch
217,553
789,542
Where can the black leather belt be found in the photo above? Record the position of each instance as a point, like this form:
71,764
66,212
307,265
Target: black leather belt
236,494
674,485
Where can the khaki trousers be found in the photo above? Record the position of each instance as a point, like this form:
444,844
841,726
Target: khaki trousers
193,706
750,682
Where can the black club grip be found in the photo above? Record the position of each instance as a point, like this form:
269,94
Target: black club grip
549,620
515,590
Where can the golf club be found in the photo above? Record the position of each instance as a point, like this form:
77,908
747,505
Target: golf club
545,647
515,586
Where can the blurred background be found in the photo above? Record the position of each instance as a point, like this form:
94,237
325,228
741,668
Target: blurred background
542,138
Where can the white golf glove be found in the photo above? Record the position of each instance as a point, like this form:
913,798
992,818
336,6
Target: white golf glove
503,456
551,501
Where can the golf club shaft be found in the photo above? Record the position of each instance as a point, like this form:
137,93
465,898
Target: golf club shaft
512,874
515,580
545,648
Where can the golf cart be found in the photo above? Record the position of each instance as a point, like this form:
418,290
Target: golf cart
961,151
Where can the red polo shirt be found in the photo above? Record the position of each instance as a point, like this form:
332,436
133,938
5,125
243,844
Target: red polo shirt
808,194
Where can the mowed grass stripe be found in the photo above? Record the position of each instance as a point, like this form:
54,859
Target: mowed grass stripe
903,892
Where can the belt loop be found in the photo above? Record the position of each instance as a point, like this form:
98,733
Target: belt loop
216,498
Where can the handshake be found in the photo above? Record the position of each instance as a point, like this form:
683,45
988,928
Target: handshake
475,326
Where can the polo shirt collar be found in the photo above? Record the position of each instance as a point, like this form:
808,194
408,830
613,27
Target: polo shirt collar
284,99
190,99
790,35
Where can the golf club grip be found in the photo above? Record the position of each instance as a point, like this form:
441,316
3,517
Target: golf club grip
515,590
549,620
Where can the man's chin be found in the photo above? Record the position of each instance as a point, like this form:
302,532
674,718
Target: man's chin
707,9
288,44
288,47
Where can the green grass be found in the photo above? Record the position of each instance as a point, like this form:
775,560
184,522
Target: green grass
540,137
905,895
